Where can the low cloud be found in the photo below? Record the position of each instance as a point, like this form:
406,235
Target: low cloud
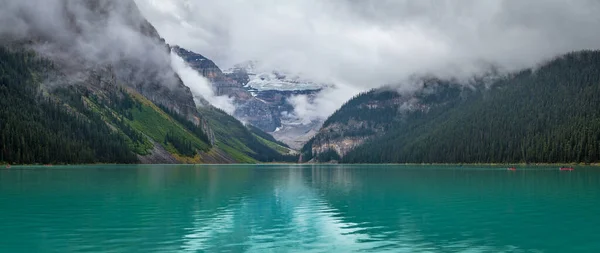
200,86
363,44
87,34
90,39
325,103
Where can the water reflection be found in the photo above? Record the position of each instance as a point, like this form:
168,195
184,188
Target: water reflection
298,209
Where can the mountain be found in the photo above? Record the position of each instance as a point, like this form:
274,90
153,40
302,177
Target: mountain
543,115
273,80
231,84
91,82
374,113
97,37
245,144
261,98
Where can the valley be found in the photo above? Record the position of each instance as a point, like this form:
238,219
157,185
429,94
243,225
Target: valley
261,98
73,94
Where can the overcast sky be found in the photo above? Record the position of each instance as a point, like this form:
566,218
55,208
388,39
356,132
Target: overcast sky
361,44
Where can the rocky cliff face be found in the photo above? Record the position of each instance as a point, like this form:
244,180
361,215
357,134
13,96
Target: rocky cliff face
98,47
352,125
261,99
231,85
82,37
271,111
374,113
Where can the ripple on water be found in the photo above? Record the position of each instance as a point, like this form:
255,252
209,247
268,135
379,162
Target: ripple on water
300,209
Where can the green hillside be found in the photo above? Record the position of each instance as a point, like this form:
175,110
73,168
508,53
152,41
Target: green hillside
39,128
237,140
379,111
547,115
81,123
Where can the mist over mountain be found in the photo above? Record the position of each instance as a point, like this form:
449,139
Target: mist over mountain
217,125
93,81
359,45
106,78
543,115
85,36
269,100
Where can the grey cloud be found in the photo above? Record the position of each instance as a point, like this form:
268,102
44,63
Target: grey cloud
416,35
84,35
361,44
200,86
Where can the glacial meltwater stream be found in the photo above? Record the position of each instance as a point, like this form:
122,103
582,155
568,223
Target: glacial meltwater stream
286,208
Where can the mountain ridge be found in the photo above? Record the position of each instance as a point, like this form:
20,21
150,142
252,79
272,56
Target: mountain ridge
124,97
267,109
542,115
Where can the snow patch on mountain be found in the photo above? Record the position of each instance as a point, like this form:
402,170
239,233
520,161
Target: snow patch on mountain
262,79
277,81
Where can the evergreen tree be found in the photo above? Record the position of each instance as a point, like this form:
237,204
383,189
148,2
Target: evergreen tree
37,128
549,115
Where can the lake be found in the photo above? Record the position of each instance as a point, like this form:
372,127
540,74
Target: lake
313,208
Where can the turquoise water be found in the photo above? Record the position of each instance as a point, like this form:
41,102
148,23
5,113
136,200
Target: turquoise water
298,209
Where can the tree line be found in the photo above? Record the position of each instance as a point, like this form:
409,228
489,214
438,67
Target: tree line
546,115
37,128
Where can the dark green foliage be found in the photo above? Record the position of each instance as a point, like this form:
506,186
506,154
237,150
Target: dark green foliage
196,130
100,124
550,115
233,135
183,145
329,155
265,136
380,107
114,107
383,110
356,108
35,128
306,151
119,101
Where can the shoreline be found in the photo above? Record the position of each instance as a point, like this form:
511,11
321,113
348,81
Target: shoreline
8,166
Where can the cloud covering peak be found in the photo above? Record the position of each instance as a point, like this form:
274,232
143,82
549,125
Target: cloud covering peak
362,44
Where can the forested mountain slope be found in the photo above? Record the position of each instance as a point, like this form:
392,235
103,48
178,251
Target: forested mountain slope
107,123
546,115
98,87
377,112
240,142
269,108
37,128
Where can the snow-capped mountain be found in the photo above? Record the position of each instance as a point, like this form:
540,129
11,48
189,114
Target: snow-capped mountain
279,81
261,96
262,79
